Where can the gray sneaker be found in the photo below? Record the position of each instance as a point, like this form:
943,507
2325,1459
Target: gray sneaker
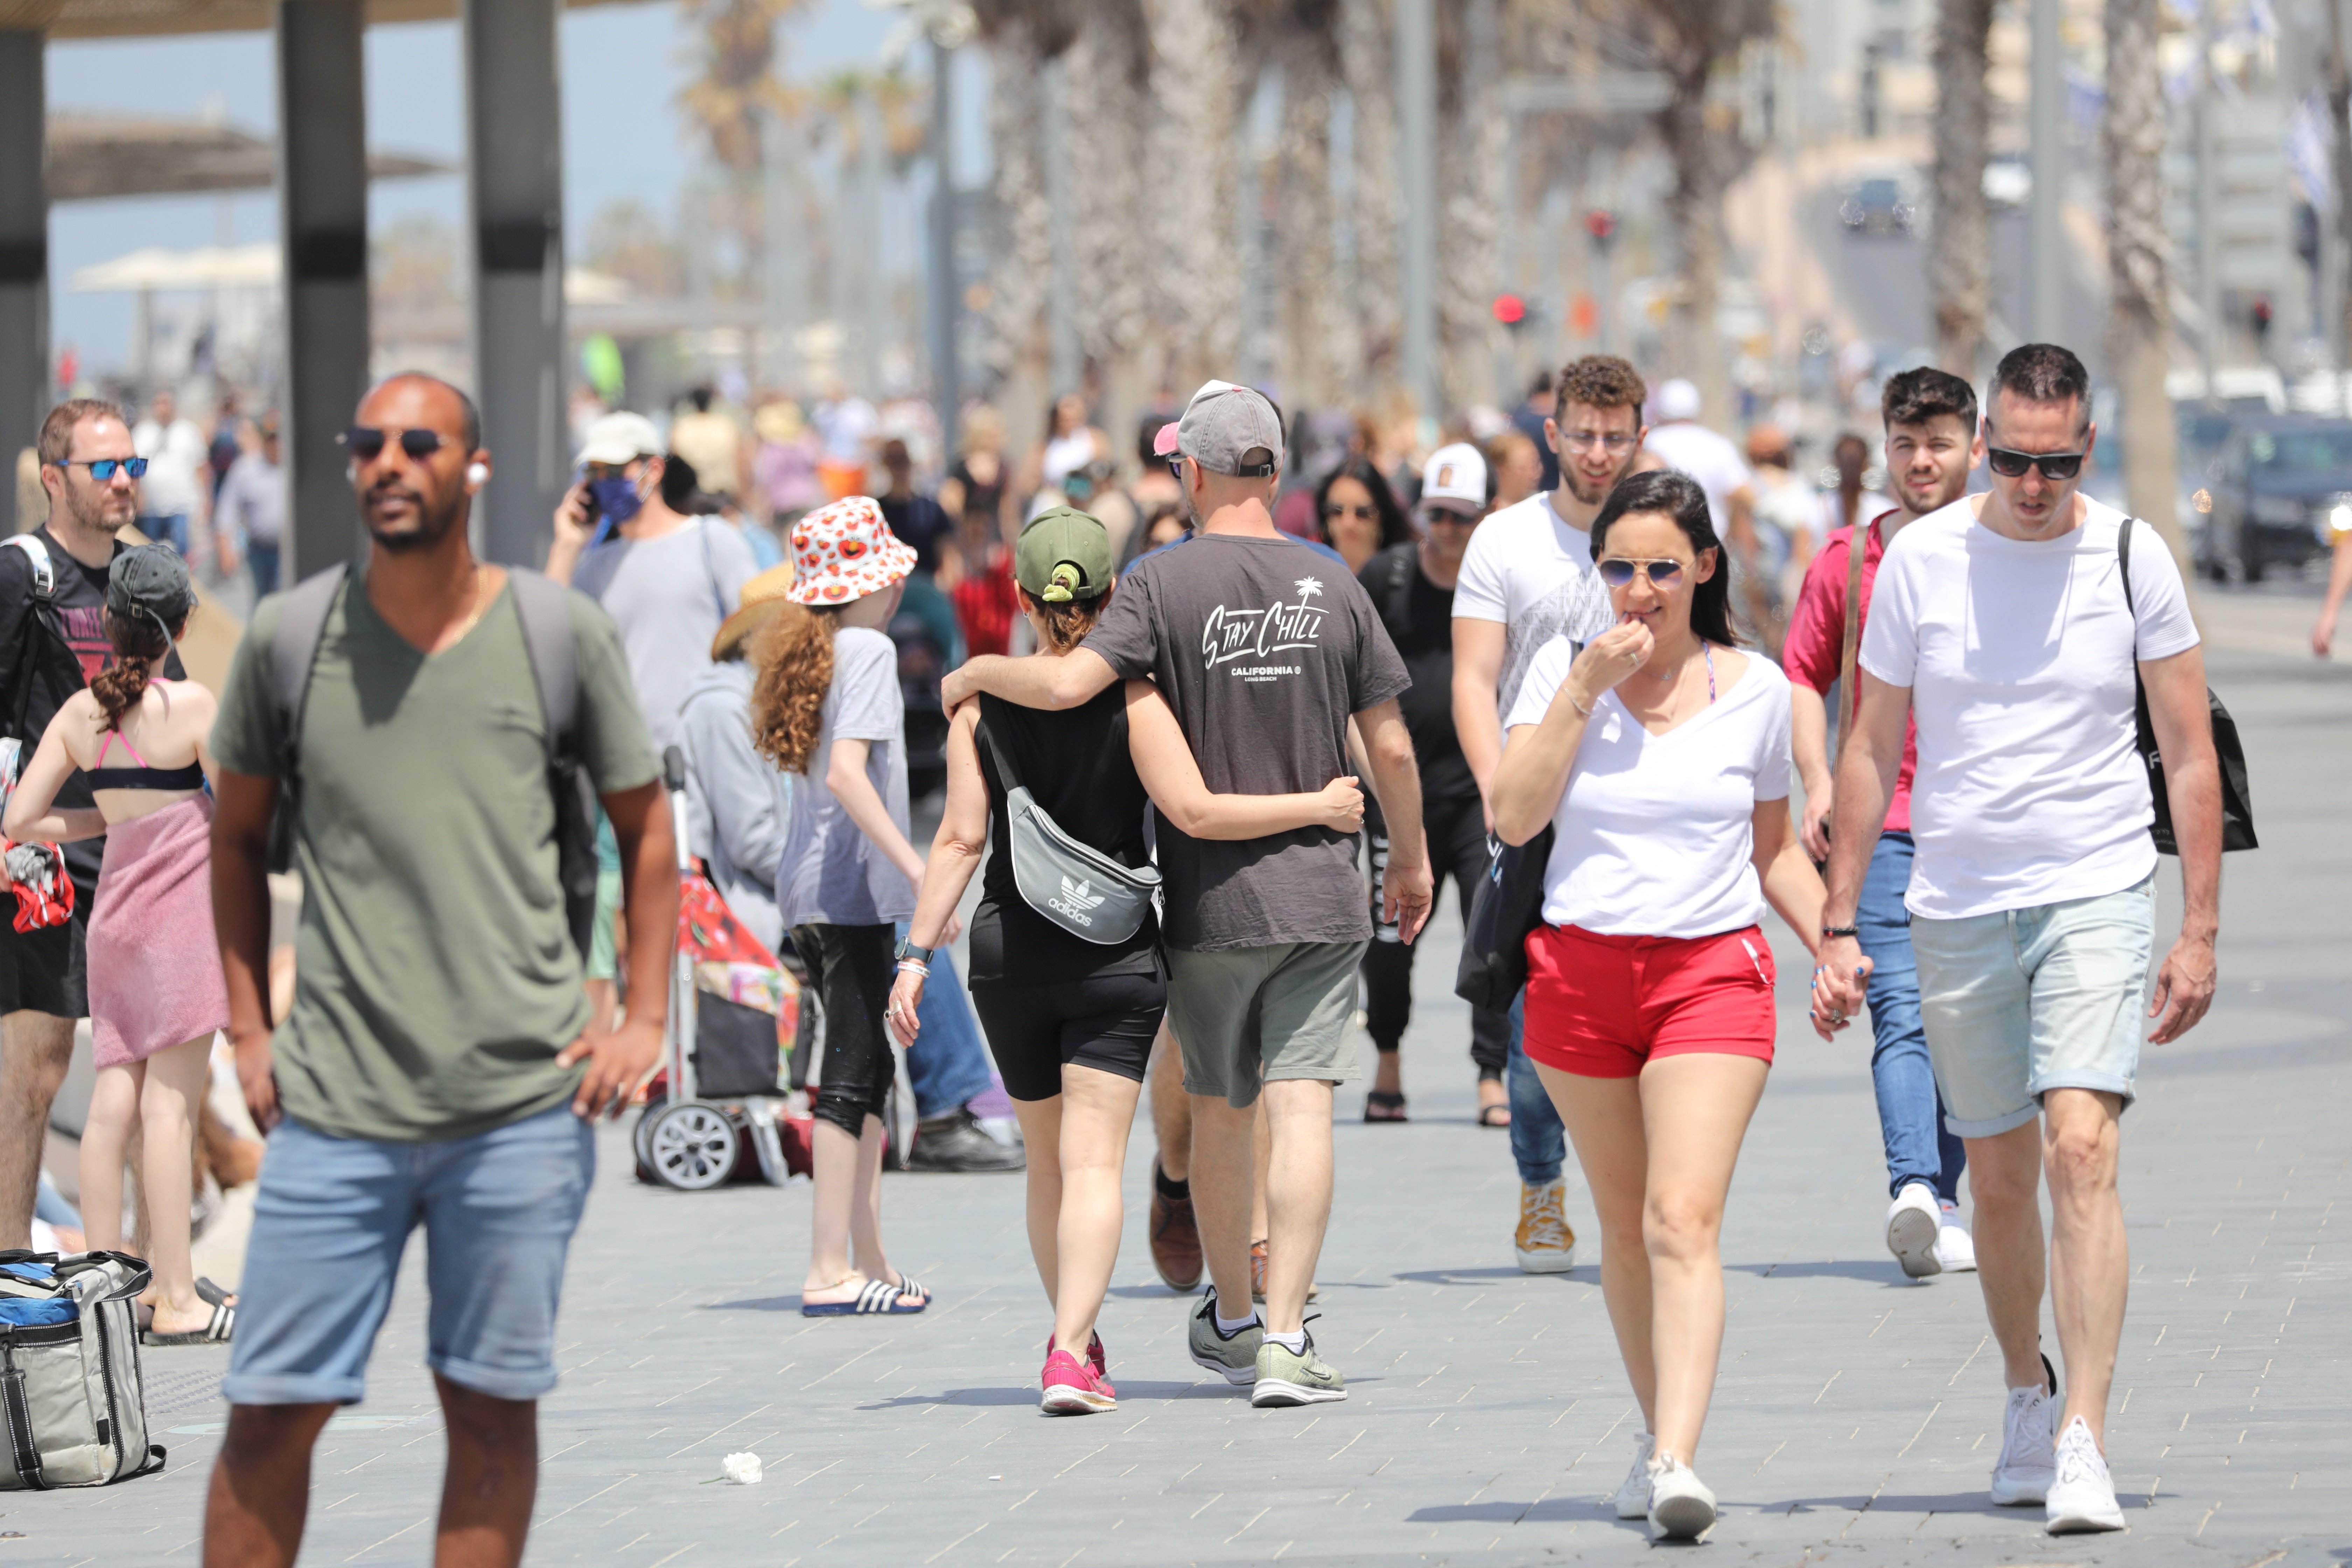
1286,1377
1234,1357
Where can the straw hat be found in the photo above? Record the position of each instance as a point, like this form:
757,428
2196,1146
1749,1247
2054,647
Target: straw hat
761,595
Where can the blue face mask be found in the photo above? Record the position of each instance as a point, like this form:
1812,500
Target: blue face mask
616,499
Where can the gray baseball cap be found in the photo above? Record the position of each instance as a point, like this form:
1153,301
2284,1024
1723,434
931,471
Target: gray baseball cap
151,580
1228,429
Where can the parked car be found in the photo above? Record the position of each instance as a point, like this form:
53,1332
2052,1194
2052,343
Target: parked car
1878,204
2283,492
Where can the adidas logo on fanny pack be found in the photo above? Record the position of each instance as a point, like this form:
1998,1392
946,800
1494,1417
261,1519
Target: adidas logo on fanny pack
1076,899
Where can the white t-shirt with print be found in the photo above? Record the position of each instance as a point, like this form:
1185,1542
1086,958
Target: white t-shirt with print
1655,835
1533,572
2019,655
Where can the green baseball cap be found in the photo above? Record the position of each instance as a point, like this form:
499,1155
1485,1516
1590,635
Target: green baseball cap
1064,554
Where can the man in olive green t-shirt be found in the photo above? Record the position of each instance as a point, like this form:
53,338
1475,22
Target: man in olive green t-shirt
440,1066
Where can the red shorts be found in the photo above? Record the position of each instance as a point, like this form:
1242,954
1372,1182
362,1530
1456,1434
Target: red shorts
1599,1006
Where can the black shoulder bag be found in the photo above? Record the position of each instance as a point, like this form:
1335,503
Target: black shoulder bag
2237,800
1504,913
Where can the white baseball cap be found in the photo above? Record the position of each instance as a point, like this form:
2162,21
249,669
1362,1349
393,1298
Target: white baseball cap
620,437
1678,399
1455,476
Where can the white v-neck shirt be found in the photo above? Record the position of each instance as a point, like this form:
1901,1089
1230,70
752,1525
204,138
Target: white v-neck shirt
1655,835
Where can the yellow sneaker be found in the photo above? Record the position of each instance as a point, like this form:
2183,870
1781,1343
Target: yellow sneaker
1544,1243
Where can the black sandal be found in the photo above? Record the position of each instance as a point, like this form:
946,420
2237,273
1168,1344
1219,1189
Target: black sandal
1496,1115
1382,1105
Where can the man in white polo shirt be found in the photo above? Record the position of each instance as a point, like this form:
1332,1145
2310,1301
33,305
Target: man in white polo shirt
2003,623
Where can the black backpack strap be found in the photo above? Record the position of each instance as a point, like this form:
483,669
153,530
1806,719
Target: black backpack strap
1396,603
2123,555
543,605
301,627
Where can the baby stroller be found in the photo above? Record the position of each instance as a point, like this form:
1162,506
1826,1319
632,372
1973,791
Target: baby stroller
716,1106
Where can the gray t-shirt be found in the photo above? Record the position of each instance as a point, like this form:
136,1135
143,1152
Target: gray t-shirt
831,874
667,596
1264,649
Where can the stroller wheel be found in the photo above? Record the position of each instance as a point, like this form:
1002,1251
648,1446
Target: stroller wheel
643,1129
690,1145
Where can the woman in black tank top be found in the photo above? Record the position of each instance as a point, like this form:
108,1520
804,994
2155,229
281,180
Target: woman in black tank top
1070,1021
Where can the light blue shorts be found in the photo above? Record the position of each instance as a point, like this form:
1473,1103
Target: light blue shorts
330,1219
2031,1000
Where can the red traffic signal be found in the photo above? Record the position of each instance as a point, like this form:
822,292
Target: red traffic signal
1510,309
1600,224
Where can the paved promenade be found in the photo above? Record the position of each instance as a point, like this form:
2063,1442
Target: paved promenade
1855,1421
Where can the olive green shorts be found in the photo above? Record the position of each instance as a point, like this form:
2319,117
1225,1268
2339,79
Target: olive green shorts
1246,1016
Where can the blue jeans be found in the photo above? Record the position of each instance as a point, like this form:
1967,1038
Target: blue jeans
331,1217
948,1065
1919,1147
1538,1142
263,558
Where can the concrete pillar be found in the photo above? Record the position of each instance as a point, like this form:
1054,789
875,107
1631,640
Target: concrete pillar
516,183
322,208
24,263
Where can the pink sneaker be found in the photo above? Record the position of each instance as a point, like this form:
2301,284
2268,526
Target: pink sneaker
1072,1388
1094,1358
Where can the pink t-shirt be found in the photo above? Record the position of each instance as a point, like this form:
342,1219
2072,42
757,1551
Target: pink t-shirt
1816,639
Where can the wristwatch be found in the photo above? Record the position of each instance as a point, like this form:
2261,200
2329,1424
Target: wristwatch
1836,930
908,950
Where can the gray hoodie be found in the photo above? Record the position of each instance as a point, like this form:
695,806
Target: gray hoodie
738,804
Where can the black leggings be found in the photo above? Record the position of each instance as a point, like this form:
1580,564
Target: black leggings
1033,1031
850,968
1457,848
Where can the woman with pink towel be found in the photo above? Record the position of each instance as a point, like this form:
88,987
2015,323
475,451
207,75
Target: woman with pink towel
156,995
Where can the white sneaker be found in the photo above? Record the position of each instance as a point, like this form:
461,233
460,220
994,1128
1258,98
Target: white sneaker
1956,1249
1634,1491
2027,1466
1681,1508
2084,1494
1912,1221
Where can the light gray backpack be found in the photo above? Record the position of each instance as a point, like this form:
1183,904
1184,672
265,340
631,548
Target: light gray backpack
72,1403
1075,885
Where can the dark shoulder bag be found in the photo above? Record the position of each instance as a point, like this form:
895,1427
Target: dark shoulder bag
1504,913
2237,799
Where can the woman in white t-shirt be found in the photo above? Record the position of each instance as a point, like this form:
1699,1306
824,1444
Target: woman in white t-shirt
1659,756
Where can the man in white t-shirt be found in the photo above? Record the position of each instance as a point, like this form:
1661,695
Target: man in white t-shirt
1525,579
2003,623
172,493
1682,443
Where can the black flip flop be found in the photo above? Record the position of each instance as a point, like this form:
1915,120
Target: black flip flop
1496,1115
1381,1106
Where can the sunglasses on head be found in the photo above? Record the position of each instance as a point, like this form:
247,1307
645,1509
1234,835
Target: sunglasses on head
366,442
1617,571
2011,464
102,469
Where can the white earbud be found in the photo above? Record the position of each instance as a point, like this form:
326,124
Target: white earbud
351,473
477,474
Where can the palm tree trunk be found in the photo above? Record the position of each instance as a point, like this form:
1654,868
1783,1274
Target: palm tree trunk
1376,210
1198,86
1021,264
1961,259
1695,216
1472,144
2339,106
1108,77
2139,312
1310,314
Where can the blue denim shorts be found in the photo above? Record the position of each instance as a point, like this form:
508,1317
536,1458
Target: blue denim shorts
2023,1002
330,1219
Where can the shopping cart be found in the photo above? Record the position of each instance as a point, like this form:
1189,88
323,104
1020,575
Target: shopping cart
716,1106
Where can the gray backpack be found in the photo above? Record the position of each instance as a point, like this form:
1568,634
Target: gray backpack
70,1395
542,604
1075,885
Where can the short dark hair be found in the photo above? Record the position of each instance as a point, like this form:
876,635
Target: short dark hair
1674,494
1915,397
469,418
1146,432
56,430
2042,373
1542,384
1599,381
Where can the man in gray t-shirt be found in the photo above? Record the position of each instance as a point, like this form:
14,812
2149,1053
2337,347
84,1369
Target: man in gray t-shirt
1265,652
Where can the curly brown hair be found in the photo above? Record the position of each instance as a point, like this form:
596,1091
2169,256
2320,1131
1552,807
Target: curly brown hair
1599,381
793,658
120,686
1067,623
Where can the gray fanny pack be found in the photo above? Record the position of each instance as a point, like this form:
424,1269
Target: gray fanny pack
1075,885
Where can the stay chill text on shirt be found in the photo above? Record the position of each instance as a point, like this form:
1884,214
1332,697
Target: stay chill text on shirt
1230,635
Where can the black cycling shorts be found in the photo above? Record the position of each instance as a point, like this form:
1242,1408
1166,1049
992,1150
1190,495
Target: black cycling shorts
1033,1031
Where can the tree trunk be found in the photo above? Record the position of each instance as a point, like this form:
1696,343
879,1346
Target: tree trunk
1198,84
1021,265
2339,105
1695,216
1376,210
2139,312
1960,256
1472,144
1108,77
1309,325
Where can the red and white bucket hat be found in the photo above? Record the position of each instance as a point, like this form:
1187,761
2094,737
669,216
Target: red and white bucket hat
844,551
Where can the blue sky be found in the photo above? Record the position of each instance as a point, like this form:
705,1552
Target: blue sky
623,137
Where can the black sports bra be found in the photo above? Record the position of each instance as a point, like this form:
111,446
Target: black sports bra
143,776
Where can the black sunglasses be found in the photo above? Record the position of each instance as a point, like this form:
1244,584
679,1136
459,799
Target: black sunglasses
2010,464
1617,572
1365,512
366,442
102,469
